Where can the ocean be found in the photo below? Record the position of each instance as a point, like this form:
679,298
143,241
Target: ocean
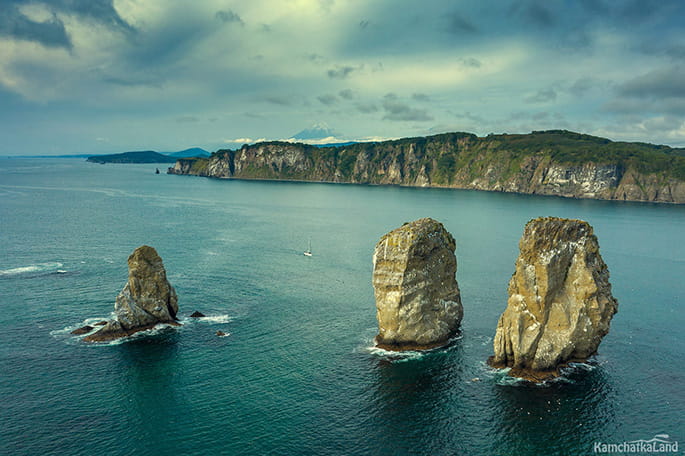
296,373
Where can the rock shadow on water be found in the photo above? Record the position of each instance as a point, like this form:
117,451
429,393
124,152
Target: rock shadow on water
149,368
411,391
576,409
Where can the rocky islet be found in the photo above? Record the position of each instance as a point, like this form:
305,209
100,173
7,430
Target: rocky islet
559,307
418,303
560,301
146,300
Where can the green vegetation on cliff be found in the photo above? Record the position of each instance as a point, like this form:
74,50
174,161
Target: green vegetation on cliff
555,162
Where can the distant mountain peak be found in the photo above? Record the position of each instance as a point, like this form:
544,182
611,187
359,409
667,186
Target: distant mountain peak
319,130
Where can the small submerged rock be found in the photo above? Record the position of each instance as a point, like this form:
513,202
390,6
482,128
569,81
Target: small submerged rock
146,300
560,302
221,334
197,314
82,330
418,304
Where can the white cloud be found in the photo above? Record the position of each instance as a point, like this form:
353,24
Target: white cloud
243,140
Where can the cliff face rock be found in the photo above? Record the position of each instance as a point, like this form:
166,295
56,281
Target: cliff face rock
146,300
545,163
560,302
418,304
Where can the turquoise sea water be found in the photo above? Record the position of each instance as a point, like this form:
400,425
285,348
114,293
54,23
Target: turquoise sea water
296,374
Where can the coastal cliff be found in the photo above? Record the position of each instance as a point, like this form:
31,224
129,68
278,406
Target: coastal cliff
556,162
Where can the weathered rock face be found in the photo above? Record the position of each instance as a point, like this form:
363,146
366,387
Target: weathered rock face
462,160
418,304
146,300
560,302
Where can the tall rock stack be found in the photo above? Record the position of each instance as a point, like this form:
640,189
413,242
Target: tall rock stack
560,302
418,305
146,300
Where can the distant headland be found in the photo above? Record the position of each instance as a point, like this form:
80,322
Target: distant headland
148,156
553,162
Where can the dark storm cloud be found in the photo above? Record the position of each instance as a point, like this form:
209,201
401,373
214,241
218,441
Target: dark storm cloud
101,11
228,17
399,111
50,33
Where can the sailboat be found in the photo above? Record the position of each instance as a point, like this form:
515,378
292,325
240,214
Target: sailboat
308,252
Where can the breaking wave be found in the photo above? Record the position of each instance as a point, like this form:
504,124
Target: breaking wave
568,375
33,270
407,355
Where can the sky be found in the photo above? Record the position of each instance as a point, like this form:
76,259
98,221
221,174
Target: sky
103,76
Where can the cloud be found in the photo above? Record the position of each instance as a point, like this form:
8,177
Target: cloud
366,108
660,91
347,94
534,12
101,11
134,81
458,24
340,72
640,10
594,6
654,129
280,100
471,62
542,96
228,17
660,83
581,86
243,141
472,117
49,33
398,111
327,99
420,97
